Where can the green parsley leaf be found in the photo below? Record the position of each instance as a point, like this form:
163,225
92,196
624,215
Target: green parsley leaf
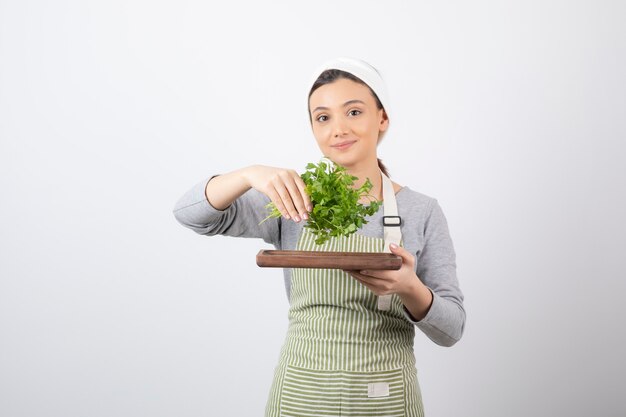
336,208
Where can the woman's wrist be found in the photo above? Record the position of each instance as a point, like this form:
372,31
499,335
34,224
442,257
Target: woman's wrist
247,173
417,299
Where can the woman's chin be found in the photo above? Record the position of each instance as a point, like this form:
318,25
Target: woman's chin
344,160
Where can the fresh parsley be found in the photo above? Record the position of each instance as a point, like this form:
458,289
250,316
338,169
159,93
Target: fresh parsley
336,208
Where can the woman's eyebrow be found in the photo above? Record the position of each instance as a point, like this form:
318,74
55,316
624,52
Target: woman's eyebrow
347,103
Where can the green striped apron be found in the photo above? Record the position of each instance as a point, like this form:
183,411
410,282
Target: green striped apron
343,354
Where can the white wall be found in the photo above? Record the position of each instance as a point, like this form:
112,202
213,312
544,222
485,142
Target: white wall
510,113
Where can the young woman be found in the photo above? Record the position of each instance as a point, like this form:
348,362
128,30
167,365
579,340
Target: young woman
349,345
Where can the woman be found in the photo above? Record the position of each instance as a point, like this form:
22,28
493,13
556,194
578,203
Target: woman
349,345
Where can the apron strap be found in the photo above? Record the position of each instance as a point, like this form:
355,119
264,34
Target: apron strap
391,225
392,231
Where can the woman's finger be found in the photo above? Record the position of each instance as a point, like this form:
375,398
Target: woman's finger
283,192
305,197
278,201
294,193
356,273
362,279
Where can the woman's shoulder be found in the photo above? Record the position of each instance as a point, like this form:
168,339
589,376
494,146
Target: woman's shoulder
415,205
407,194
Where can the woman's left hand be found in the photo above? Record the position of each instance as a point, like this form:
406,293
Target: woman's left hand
383,282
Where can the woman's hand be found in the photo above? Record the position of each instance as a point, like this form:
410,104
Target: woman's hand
383,282
284,187
416,296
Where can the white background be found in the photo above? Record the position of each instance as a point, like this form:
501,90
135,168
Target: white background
510,113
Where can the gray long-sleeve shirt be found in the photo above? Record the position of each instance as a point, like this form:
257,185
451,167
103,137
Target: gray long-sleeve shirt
424,233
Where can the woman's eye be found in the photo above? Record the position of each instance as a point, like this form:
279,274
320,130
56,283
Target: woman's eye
359,111
318,118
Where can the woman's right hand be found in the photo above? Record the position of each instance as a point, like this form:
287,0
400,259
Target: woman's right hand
284,187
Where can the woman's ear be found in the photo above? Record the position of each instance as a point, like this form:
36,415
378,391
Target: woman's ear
384,122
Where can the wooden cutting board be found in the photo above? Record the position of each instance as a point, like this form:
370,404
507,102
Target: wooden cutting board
329,260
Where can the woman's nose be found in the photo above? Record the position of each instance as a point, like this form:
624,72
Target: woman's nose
340,127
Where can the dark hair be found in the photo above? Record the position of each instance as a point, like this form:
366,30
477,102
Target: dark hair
332,75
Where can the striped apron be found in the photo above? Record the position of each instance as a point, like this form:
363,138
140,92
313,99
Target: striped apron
344,354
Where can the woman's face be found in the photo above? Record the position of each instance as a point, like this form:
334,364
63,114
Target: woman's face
345,111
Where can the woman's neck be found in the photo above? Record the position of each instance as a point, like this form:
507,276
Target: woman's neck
371,171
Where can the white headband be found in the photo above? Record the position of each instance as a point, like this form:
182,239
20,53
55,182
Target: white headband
364,71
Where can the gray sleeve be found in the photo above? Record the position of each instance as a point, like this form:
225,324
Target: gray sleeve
436,267
240,219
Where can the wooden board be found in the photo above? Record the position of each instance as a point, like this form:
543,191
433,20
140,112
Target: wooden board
329,260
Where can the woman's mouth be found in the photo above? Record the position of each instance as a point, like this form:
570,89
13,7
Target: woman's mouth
344,145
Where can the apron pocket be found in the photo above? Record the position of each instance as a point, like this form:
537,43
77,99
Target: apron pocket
312,392
376,393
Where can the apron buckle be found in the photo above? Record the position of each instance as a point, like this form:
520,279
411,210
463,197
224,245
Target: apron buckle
395,221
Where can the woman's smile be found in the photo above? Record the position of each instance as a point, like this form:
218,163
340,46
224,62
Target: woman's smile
344,145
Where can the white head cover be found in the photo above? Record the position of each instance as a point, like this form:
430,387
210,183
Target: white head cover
364,71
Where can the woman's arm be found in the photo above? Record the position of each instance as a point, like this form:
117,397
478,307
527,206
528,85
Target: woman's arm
444,321
223,189
225,204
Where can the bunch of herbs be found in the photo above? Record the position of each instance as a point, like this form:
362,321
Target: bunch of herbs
336,208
